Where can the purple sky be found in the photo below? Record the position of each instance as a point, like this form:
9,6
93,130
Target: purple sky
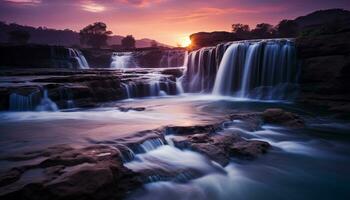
168,21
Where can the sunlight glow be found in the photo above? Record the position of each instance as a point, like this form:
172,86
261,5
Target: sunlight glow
185,42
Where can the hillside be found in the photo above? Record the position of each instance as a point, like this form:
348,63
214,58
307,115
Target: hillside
321,17
43,35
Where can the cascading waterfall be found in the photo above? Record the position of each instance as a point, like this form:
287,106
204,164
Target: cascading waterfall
123,60
20,102
32,101
258,69
46,103
79,57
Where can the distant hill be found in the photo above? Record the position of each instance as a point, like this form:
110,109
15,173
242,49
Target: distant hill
321,17
43,35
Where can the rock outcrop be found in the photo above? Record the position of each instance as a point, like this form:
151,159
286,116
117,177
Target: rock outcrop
41,56
94,172
83,88
325,75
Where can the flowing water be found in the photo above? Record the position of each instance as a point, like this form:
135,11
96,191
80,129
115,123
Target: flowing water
258,69
308,163
79,58
123,60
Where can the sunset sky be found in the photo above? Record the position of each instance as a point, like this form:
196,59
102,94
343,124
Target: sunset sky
167,21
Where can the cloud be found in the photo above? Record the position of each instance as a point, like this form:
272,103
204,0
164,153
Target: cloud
206,12
140,3
24,2
91,6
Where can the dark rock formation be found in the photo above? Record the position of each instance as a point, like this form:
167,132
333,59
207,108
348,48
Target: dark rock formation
86,88
39,56
325,72
204,39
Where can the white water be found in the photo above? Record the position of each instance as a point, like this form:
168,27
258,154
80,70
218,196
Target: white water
46,104
247,67
123,60
260,69
79,57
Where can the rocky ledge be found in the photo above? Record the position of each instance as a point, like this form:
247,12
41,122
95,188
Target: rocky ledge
82,88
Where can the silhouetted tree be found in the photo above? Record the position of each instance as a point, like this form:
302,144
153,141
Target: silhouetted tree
263,30
287,28
128,42
241,30
95,35
154,43
19,37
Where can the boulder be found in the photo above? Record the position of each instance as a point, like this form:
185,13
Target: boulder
217,146
280,117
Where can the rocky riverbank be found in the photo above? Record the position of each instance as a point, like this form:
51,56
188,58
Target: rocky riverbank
99,171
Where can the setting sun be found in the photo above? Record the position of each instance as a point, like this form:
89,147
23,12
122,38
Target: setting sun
185,42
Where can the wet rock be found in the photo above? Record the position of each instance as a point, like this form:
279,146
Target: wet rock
249,149
126,109
281,117
252,121
218,146
94,172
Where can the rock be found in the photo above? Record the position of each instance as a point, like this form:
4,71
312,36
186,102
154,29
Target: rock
38,56
281,117
94,172
249,149
218,147
325,74
252,121
126,109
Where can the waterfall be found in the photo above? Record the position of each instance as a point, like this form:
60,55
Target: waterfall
151,144
79,58
20,102
123,60
258,69
154,88
46,103
127,90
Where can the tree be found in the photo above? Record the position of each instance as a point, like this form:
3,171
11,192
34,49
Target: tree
128,42
263,30
241,30
287,28
95,35
19,37
154,43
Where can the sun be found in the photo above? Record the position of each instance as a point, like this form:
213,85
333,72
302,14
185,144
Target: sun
185,42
